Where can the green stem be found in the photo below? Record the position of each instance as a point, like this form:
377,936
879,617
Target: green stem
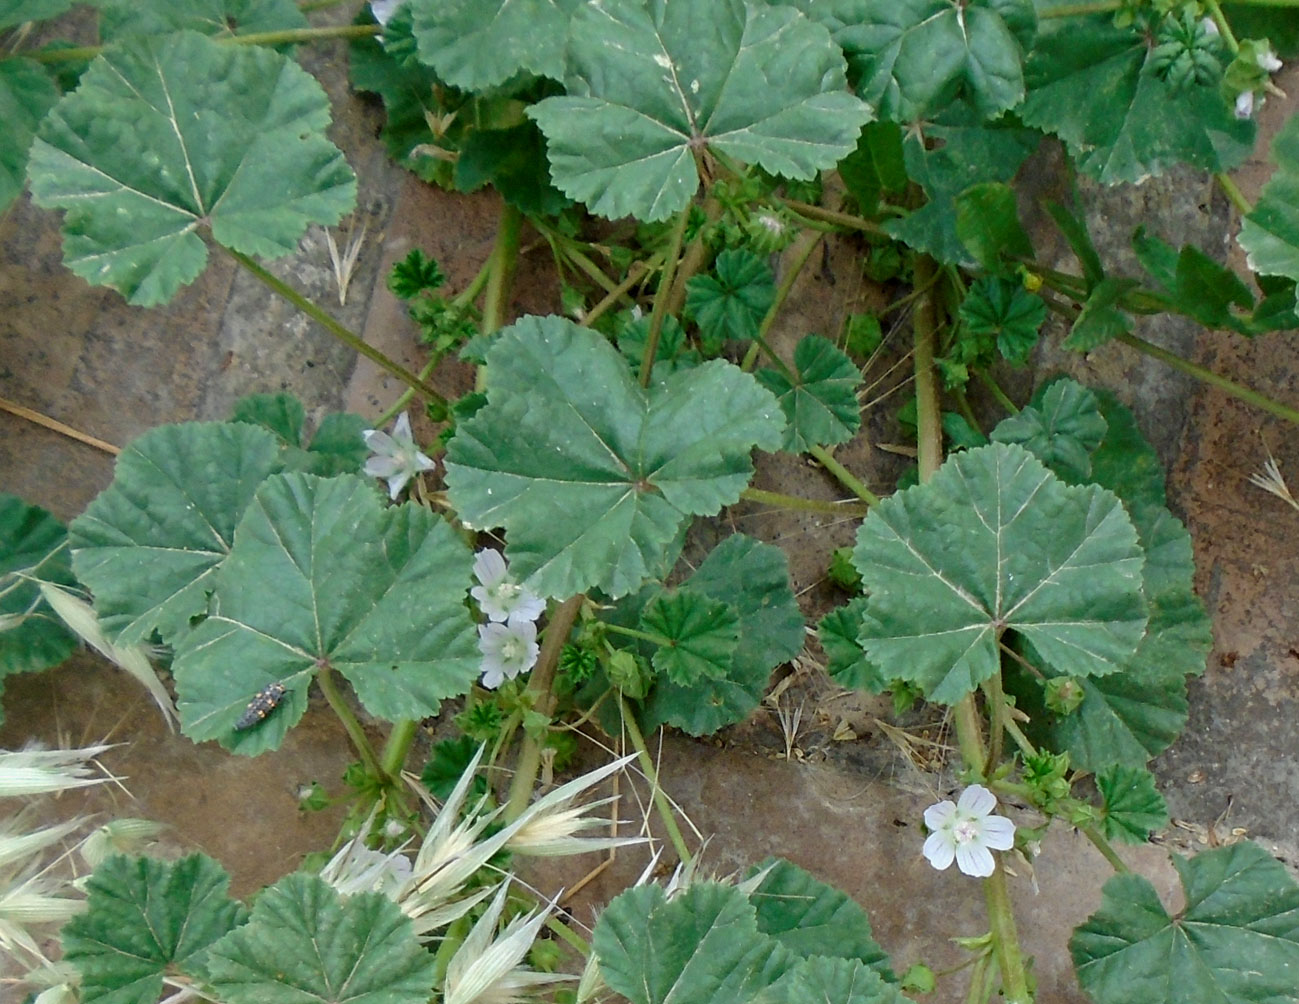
403,399
929,429
660,800
844,476
1103,845
995,389
619,292
1212,379
574,940
541,698
336,329
996,699
505,254
847,507
1224,28
662,295
639,635
398,745
288,36
832,216
325,677
1005,940
801,253
969,733
1233,192
1080,9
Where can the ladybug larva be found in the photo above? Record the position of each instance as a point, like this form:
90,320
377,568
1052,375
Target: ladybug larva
263,703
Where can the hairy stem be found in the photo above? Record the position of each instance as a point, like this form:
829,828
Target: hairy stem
398,745
1103,845
288,36
338,330
660,800
325,677
846,507
844,476
505,254
543,700
1005,939
662,295
801,253
1245,394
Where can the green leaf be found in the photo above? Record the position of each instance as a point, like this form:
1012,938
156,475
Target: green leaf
1133,807
323,575
1100,318
336,448
1125,462
651,84
841,981
145,918
846,660
414,274
969,153
1063,430
811,918
171,134
733,304
876,167
149,545
1237,939
1197,286
912,58
1270,232
305,943
820,398
32,543
701,635
1129,717
1075,232
480,44
216,18
513,161
753,578
1001,309
994,541
987,224
18,11
590,474
1092,84
702,947
26,94
386,66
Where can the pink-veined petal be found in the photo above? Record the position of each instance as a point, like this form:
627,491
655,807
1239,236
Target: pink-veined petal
382,467
998,833
975,859
976,800
396,483
379,442
489,566
939,814
938,850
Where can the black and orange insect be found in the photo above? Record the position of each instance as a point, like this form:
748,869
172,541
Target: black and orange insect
263,703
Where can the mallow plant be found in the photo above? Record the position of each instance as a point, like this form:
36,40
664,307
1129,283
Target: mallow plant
518,571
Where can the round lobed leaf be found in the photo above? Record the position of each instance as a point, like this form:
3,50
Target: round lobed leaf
173,133
995,542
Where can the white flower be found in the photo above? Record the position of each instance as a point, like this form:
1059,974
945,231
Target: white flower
1209,26
967,833
383,10
1244,104
499,596
508,650
396,457
1267,60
